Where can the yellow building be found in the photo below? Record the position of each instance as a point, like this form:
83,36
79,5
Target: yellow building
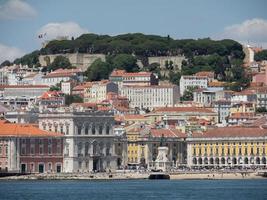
243,107
228,147
133,136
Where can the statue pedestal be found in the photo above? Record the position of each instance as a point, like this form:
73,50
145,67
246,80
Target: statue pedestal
162,162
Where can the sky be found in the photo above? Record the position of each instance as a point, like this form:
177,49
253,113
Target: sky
21,21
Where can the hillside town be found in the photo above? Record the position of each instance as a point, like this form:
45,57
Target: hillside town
59,122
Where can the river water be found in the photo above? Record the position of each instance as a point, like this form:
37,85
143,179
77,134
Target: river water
134,189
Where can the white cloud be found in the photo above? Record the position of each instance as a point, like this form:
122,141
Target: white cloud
253,31
53,30
16,9
9,53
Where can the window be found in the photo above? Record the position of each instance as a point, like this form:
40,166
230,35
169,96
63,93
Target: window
86,130
32,149
79,128
67,130
0,149
23,150
93,129
61,129
59,146
100,129
107,129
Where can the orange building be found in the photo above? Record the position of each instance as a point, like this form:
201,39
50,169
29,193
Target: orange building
28,149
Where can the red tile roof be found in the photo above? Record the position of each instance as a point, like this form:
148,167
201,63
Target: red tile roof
231,132
63,73
117,72
184,109
167,133
24,130
24,86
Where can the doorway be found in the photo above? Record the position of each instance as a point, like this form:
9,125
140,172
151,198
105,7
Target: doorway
41,168
58,168
23,168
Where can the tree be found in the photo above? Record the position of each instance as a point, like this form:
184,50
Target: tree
69,99
125,61
188,94
60,62
262,55
54,88
5,63
98,70
261,110
153,67
175,77
31,59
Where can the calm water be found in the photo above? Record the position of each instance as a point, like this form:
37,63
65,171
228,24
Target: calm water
144,189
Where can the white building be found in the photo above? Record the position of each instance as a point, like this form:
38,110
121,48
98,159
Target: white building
193,81
151,96
206,96
96,92
62,75
66,87
89,141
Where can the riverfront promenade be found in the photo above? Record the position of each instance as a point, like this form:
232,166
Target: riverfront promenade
216,175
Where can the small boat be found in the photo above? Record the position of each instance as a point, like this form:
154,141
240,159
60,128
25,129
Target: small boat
159,175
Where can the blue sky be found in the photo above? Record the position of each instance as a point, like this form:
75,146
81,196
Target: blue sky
22,20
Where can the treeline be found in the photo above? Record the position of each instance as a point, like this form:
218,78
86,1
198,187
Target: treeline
143,45
262,55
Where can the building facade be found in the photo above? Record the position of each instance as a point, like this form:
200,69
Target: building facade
187,82
228,148
89,141
150,97
27,149
97,91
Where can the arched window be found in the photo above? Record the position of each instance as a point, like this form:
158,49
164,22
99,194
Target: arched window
258,161
200,161
86,130
95,150
211,161
194,161
108,149
100,129
107,129
206,161
264,160
234,161
80,149
93,129
79,130
86,148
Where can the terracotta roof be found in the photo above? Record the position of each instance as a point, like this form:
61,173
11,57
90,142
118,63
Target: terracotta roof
245,92
184,109
63,73
51,94
167,133
216,84
194,77
205,73
24,86
24,130
137,74
117,72
231,132
241,115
